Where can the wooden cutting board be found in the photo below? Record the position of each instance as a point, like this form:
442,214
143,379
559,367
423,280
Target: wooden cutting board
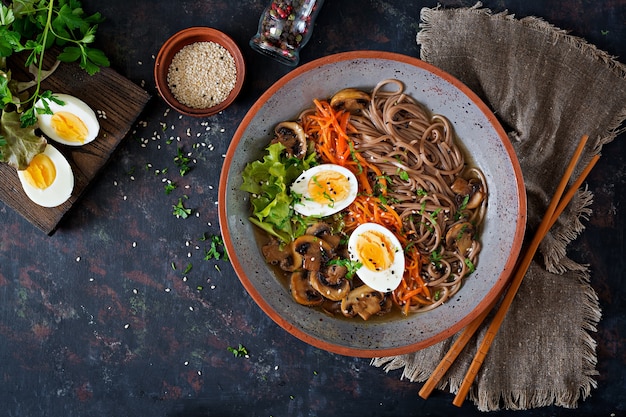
108,94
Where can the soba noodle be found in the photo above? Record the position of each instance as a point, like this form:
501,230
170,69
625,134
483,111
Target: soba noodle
395,132
415,171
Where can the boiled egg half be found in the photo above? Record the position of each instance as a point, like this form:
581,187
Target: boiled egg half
381,256
324,190
72,123
48,180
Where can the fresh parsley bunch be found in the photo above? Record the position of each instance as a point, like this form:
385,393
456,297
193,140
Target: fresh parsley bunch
36,25
32,27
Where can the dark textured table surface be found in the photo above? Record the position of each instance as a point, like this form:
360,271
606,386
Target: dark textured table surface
101,319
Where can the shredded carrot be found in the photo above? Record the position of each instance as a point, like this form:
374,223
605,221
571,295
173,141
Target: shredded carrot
330,129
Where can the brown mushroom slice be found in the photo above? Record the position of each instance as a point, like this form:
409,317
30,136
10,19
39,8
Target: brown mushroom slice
472,190
460,236
324,231
292,136
477,194
334,291
363,301
385,305
291,263
331,308
460,186
283,255
315,252
302,291
350,99
274,252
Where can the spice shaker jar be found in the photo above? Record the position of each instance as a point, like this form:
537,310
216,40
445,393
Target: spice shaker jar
284,28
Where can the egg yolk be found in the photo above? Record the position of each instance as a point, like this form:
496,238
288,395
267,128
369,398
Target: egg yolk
328,187
69,126
374,250
41,172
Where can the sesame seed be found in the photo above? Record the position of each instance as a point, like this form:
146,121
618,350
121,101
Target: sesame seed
202,74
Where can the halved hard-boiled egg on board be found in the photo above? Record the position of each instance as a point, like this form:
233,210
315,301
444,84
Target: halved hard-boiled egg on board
48,181
70,120
381,256
324,190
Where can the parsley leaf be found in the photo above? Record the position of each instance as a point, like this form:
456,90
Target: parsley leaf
350,265
216,250
239,351
180,210
182,162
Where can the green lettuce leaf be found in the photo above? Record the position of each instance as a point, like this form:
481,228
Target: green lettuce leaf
19,145
268,181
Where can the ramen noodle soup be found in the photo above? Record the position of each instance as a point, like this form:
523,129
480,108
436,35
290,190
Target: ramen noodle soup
368,204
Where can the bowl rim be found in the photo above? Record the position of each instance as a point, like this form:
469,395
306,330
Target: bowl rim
186,37
486,303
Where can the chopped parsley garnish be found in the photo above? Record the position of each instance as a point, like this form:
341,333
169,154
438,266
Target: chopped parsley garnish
216,250
180,211
350,265
182,162
169,187
239,351
404,176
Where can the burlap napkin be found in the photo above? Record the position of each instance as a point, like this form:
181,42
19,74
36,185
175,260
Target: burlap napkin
547,88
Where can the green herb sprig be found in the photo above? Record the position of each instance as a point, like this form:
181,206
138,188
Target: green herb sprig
180,211
239,351
32,27
216,249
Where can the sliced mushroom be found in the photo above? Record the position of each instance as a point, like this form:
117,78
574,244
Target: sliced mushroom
324,231
315,252
363,301
385,305
477,194
350,99
472,190
460,236
331,307
274,252
329,286
335,273
291,263
292,136
302,291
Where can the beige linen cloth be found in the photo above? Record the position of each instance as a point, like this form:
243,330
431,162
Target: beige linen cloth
548,89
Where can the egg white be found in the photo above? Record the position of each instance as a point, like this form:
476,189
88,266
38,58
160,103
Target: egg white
384,280
307,206
71,105
61,188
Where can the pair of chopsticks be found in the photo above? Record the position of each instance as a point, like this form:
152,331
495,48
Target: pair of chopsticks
555,208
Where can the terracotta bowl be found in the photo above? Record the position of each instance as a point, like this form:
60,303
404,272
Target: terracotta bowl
176,43
479,132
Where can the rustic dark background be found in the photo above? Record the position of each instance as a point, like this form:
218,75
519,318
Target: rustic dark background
101,319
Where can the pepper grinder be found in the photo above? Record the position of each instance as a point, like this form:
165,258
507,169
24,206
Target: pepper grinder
284,28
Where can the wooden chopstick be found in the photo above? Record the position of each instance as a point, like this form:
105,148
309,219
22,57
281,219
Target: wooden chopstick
453,353
467,333
554,209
